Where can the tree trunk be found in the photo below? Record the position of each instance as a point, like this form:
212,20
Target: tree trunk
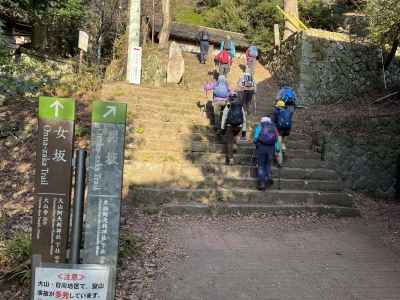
291,7
392,53
39,36
166,27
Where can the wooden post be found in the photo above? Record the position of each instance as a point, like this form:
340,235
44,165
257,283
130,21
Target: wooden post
153,22
81,55
277,37
291,7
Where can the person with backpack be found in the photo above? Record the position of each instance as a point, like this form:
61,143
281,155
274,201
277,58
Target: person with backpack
251,59
224,62
204,38
221,92
288,96
283,122
248,88
233,123
265,139
229,45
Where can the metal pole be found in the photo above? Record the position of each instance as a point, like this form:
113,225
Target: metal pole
384,71
77,218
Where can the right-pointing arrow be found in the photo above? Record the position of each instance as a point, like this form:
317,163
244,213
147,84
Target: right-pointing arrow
110,110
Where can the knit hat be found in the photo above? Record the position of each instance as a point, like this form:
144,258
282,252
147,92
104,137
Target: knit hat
266,120
280,103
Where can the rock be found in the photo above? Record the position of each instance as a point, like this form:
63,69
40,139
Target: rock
2,99
176,64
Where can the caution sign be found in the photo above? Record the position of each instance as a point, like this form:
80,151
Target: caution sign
55,282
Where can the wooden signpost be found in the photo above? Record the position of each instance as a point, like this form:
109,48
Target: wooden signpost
52,278
105,186
53,179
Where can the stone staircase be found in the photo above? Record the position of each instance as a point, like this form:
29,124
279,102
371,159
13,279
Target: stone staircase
175,160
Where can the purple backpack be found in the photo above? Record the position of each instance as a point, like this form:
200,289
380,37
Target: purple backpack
268,134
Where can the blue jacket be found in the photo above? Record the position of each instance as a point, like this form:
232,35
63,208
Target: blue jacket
232,50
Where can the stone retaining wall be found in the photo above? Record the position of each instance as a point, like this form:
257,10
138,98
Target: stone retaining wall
368,163
327,67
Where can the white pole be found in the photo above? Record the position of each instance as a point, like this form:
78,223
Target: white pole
277,36
134,36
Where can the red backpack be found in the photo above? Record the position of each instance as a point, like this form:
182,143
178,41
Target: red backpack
223,57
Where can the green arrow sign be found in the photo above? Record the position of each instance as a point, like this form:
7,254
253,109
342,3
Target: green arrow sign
53,108
109,112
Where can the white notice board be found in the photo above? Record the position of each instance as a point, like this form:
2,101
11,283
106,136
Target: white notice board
77,282
136,67
83,40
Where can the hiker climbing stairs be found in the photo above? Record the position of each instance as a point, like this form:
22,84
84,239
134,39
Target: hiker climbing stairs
175,159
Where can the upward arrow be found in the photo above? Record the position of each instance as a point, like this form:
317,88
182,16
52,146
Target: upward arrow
56,106
110,110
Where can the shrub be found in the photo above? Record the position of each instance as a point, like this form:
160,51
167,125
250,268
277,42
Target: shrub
18,249
130,245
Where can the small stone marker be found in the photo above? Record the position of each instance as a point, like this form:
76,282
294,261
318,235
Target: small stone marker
105,186
176,64
53,179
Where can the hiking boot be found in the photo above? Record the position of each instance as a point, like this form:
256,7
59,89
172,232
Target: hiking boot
261,186
229,161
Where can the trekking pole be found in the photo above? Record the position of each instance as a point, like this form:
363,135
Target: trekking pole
255,105
279,176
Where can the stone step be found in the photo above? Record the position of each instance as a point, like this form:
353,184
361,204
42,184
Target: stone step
212,196
162,169
295,148
287,172
251,183
244,155
194,133
247,160
208,146
165,117
142,116
246,209
286,184
165,107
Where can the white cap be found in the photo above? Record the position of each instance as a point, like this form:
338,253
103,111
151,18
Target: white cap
266,120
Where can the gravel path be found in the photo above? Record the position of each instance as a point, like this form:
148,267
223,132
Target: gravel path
279,258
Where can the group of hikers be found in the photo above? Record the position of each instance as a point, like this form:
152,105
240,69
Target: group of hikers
231,106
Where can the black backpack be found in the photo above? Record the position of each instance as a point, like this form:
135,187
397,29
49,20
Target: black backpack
204,36
235,114
248,81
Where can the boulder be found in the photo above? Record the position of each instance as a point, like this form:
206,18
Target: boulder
176,64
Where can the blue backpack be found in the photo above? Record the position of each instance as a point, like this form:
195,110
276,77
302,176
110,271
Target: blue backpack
284,119
268,134
289,96
221,90
253,51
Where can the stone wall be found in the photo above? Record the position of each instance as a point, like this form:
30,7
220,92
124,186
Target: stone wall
368,163
327,67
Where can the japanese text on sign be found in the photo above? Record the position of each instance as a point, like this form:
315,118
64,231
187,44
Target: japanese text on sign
60,283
